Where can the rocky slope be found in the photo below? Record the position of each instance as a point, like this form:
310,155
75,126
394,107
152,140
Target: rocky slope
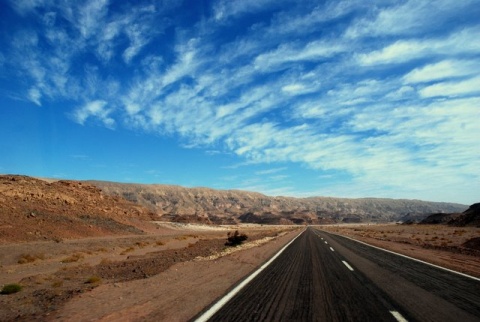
174,203
33,209
470,217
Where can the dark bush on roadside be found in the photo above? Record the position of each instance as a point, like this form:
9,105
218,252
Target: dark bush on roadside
10,289
235,239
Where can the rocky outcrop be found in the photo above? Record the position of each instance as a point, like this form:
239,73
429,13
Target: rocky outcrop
174,203
33,209
470,217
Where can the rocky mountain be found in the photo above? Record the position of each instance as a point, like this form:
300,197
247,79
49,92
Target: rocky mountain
470,217
33,209
174,203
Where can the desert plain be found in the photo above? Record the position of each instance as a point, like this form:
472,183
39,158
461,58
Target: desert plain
173,273
79,254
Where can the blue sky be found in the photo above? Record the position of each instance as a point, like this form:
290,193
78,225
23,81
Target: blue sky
298,98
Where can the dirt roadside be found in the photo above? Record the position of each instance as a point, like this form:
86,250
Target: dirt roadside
177,294
173,275
162,276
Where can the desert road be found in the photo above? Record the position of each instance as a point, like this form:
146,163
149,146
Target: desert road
325,277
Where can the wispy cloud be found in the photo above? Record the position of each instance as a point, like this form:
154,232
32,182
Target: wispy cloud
469,86
270,171
95,109
461,42
387,94
443,70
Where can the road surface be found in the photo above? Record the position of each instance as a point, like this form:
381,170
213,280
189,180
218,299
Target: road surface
325,277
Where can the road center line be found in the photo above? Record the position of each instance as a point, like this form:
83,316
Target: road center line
326,242
411,258
217,306
398,316
348,265
331,249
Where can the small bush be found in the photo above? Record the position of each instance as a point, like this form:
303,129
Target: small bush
235,239
11,288
127,250
57,284
74,258
93,280
28,258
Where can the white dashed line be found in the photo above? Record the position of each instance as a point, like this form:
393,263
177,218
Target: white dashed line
331,249
411,258
326,242
348,265
398,316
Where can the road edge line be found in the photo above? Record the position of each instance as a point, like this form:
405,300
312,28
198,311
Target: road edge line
224,300
402,255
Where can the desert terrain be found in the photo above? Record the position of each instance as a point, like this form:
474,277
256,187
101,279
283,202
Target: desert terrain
81,254
131,271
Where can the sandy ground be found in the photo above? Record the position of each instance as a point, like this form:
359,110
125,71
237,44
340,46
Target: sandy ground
170,275
175,272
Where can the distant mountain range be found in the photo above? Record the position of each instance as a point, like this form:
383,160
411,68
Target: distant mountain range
46,209
175,203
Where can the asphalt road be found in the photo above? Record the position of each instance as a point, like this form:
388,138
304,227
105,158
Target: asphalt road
324,277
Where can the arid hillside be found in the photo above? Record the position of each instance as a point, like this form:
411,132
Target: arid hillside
174,203
33,209
470,217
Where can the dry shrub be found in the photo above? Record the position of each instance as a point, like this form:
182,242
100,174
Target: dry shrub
128,250
159,243
235,239
93,280
28,258
57,284
73,258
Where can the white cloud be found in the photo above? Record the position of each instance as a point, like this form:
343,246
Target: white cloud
442,70
462,42
452,89
270,171
97,109
410,17
34,95
225,9
312,51
91,16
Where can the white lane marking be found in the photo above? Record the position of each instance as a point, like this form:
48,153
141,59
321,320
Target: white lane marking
321,238
331,249
217,306
398,316
326,242
414,259
348,265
